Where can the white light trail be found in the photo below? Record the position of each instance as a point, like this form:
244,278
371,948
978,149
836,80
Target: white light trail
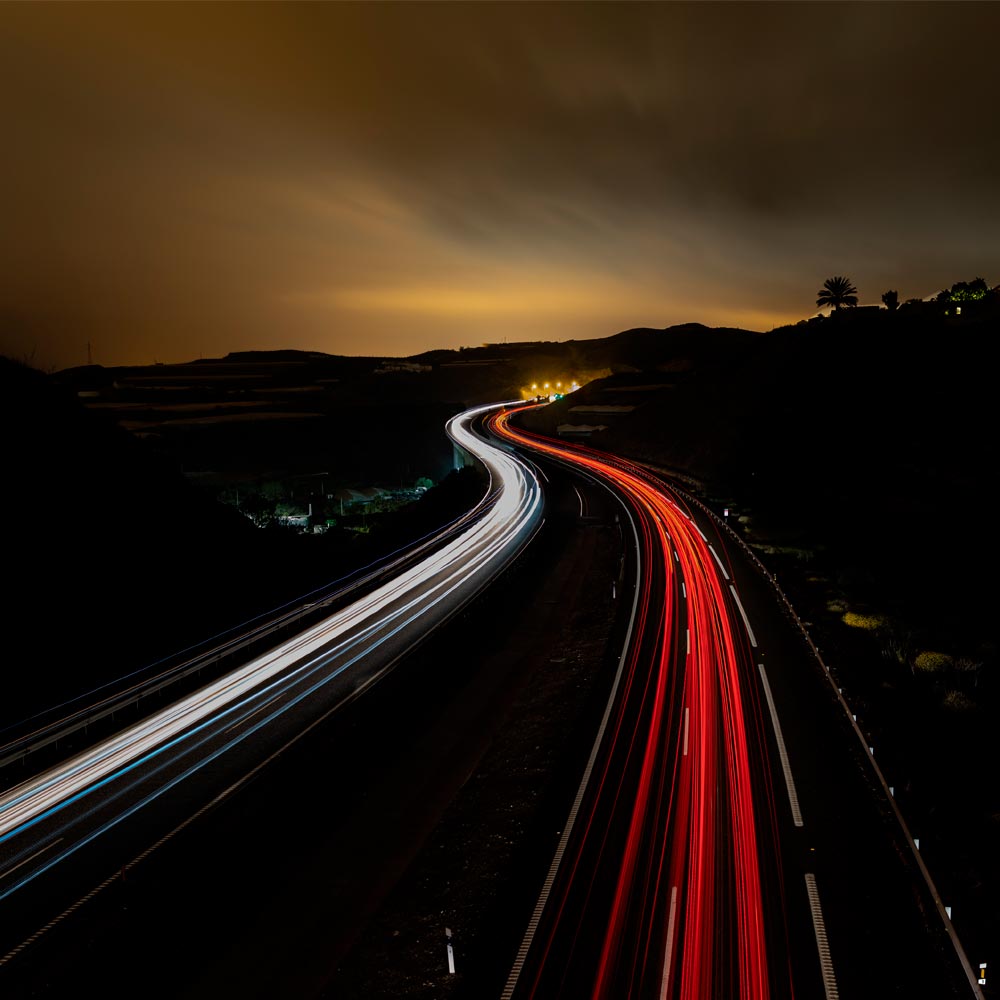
510,510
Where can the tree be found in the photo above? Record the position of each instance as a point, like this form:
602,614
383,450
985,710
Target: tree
965,291
890,300
837,292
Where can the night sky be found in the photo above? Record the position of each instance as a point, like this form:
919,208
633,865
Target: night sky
187,180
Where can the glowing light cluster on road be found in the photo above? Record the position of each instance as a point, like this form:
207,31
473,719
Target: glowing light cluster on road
197,729
660,892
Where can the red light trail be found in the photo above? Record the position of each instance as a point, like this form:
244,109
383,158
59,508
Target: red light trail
660,892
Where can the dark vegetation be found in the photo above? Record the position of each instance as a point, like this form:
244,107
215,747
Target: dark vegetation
863,438
849,431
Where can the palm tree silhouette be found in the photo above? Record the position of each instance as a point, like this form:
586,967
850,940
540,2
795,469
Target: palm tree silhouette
837,292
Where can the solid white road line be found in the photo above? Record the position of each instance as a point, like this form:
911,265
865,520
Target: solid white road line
670,944
719,561
746,621
793,797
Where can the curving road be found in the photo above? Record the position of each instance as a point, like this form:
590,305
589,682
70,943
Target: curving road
691,865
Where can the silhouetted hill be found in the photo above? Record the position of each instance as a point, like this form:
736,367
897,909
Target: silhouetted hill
266,415
254,416
861,432
638,348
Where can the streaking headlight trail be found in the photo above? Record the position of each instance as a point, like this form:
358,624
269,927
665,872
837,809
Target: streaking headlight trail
51,815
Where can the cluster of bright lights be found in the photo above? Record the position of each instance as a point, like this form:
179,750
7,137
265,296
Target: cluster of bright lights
550,390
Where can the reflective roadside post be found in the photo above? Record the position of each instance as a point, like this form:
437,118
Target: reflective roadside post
451,953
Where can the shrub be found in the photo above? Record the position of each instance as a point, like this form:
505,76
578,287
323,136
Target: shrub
870,623
958,701
931,663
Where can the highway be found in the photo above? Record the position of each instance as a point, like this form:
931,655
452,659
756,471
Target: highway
169,765
727,838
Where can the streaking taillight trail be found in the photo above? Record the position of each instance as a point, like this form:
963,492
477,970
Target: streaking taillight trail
660,891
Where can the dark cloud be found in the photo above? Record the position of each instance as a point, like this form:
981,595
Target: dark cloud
187,179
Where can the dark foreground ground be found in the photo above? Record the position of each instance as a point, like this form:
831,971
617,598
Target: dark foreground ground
479,872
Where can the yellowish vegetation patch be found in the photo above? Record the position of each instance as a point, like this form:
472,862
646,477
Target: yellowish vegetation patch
870,623
931,662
